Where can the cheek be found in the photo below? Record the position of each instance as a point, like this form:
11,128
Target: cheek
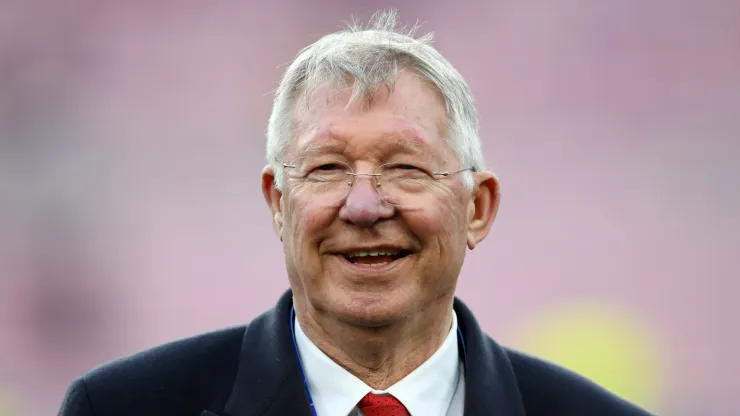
427,223
305,221
441,227
305,226
443,216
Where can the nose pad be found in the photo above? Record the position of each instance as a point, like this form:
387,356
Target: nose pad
363,189
363,205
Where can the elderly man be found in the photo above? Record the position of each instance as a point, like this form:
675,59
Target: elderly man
377,187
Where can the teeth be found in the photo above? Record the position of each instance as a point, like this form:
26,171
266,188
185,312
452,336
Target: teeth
374,253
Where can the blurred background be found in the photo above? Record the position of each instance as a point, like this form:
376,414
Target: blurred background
131,143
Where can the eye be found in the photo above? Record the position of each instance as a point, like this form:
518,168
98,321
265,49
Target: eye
326,171
403,171
406,167
330,167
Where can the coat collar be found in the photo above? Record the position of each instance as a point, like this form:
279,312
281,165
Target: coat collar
268,380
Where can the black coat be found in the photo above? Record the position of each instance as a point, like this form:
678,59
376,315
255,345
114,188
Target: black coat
253,370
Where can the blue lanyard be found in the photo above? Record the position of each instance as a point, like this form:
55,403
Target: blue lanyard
303,373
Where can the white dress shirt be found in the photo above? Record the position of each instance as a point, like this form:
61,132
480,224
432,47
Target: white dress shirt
435,388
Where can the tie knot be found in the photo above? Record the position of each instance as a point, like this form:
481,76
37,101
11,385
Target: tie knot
382,405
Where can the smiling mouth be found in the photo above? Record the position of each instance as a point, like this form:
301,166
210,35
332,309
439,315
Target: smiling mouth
375,257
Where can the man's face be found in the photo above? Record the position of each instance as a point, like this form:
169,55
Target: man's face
360,259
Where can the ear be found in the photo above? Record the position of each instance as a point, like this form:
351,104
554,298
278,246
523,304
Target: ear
483,206
273,197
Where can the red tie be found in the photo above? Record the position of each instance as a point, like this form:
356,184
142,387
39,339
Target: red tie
382,405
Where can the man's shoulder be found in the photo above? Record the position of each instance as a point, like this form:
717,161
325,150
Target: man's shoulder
207,350
193,372
548,389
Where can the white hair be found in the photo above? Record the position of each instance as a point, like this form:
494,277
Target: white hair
364,59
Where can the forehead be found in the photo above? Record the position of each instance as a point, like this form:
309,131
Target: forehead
410,118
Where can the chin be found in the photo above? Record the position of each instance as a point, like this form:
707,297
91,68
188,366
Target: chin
371,309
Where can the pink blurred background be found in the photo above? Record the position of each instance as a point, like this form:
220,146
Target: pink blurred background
131,142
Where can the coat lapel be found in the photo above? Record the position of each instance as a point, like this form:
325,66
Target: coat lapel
491,387
268,381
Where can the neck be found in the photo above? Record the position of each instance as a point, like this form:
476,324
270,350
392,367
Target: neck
379,356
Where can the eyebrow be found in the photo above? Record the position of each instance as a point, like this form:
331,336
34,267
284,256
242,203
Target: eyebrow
324,148
398,143
406,145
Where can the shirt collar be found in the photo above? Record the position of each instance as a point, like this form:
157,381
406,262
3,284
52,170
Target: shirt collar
426,391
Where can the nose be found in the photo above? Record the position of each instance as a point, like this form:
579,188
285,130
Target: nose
363,205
